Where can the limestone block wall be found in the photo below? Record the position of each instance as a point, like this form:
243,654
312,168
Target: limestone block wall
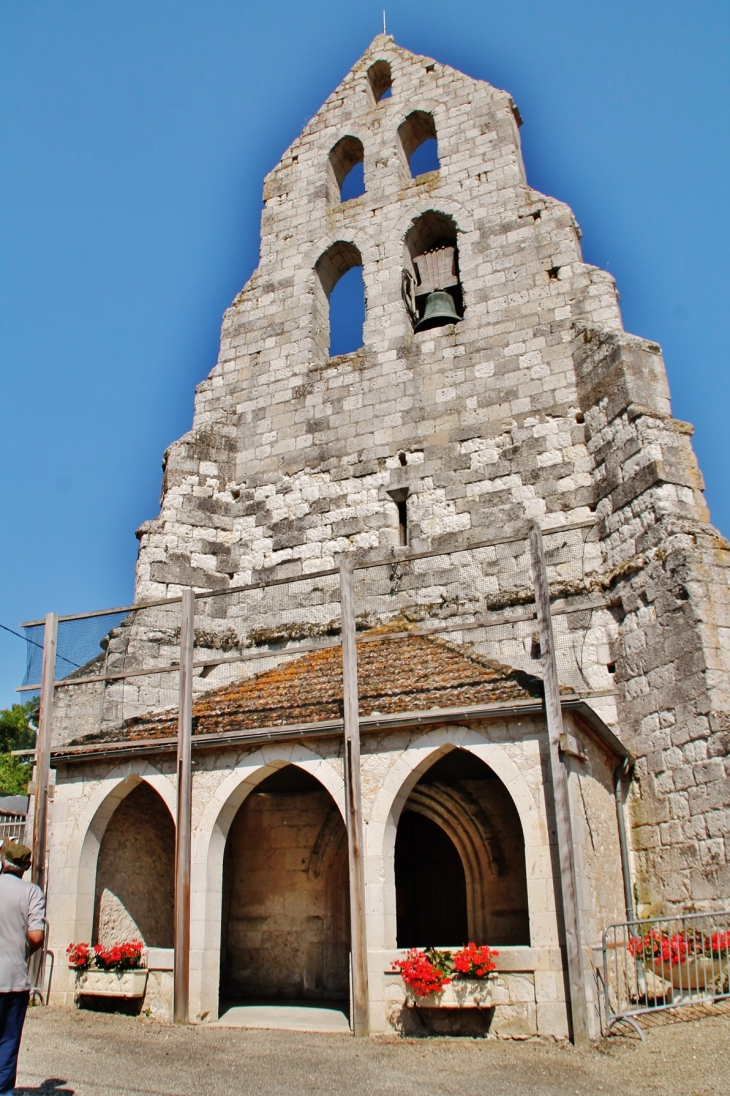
668,581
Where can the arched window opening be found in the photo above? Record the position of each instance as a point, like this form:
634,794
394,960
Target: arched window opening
347,177
431,285
135,873
461,817
285,894
381,80
418,129
341,299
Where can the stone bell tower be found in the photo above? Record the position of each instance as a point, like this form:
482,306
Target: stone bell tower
495,384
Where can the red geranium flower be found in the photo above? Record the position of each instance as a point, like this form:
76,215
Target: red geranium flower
126,956
474,962
424,973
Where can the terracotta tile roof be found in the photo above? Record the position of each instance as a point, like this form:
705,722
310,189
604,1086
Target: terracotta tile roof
412,673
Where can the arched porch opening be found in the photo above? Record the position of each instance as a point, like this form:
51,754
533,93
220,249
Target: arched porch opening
460,868
285,904
135,871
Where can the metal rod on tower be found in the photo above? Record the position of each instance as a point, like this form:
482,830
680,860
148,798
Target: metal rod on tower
559,780
353,803
43,751
181,980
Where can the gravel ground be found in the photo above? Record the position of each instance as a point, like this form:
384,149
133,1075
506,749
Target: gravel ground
70,1053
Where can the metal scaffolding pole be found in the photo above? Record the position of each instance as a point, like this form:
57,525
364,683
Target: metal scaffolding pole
559,779
181,983
360,1004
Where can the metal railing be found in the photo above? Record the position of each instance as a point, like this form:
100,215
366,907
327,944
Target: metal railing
12,827
664,963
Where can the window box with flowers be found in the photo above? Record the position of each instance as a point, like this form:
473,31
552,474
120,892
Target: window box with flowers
689,961
440,979
108,972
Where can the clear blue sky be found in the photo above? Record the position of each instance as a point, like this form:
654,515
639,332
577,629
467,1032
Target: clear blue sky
135,139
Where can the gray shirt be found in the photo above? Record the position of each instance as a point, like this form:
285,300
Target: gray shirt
22,908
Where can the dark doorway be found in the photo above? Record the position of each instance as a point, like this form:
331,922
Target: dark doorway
460,833
430,885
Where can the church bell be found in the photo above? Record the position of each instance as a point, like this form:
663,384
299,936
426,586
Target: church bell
439,310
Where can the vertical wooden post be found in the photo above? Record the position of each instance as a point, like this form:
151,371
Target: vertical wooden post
181,981
353,797
43,751
566,852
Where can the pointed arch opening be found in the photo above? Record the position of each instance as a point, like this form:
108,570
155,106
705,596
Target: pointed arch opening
381,80
340,300
346,164
135,871
285,910
460,870
418,140
432,289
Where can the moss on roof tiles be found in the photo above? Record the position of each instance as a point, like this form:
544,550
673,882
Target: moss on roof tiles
398,675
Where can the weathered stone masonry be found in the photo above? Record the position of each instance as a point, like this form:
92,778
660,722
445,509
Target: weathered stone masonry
535,405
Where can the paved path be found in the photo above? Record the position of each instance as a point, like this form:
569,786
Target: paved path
294,1017
69,1053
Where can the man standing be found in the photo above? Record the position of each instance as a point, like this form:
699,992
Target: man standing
22,928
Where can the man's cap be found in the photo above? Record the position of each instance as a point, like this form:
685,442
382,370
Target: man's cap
17,855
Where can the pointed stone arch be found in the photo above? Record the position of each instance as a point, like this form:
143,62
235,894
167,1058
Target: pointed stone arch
395,792
339,259
86,839
343,158
209,842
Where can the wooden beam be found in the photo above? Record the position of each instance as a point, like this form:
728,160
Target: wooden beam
559,780
43,751
181,978
353,798
559,608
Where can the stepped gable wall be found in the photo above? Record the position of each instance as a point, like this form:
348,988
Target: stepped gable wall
535,405
292,453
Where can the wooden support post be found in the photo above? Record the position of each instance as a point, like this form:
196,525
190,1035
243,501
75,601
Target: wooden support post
181,981
43,752
559,779
353,798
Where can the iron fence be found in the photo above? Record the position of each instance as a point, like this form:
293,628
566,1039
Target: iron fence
12,827
664,963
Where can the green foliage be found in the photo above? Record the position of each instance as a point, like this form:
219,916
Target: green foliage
15,773
16,733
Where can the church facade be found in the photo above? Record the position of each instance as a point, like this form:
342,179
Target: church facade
495,386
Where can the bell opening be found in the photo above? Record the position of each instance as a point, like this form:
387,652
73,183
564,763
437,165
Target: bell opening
431,286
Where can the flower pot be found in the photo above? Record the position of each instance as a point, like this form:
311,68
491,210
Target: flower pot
460,993
691,975
111,983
